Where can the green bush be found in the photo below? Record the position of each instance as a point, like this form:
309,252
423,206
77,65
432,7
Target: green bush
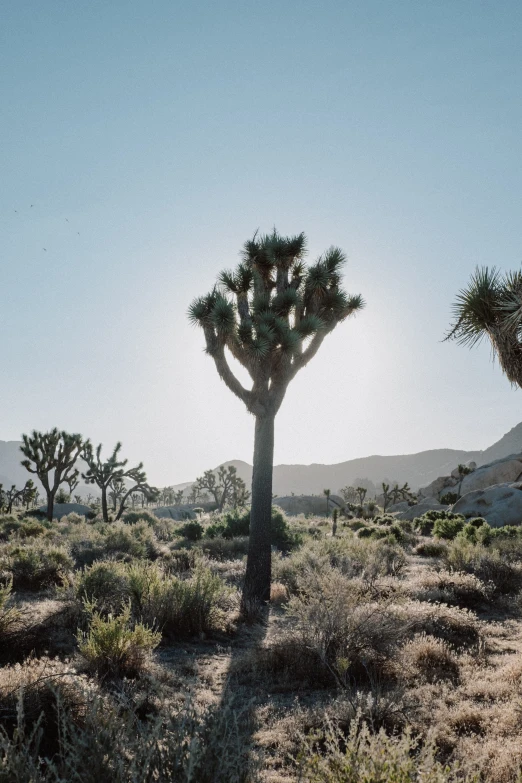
115,646
426,522
430,549
106,583
448,527
193,531
143,515
449,498
177,607
36,567
234,524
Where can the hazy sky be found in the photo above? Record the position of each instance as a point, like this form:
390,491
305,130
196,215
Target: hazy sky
153,138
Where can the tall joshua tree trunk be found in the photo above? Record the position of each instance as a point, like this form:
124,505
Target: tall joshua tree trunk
257,578
105,509
271,314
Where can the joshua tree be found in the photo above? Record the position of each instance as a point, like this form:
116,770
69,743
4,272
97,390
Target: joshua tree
387,496
52,456
13,497
222,485
326,493
178,497
335,514
463,471
114,474
361,494
349,495
491,307
271,314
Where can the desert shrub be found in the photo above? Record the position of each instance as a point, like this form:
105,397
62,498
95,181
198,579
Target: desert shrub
449,498
487,564
224,548
35,567
31,528
86,542
364,531
106,583
187,607
350,555
237,524
9,524
428,659
137,540
448,527
453,589
349,633
114,645
384,519
430,549
73,519
426,522
458,627
278,594
179,561
108,741
193,531
177,607
8,614
333,757
142,515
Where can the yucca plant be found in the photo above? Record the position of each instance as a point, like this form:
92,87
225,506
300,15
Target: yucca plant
491,307
271,314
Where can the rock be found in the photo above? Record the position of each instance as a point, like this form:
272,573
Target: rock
502,471
426,504
178,513
438,487
62,509
499,505
307,504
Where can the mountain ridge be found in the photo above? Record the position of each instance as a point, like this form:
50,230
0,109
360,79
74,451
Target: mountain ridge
418,469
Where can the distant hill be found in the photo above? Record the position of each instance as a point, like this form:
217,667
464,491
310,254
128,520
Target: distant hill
418,469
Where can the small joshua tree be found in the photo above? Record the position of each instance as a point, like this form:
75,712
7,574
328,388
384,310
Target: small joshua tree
327,493
178,497
271,314
113,474
219,483
361,494
52,457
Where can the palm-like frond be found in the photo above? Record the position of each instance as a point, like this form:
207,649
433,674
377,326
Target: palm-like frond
476,308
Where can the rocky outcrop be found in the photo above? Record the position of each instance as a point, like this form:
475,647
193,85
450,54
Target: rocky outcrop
405,511
500,504
62,509
503,471
439,487
307,504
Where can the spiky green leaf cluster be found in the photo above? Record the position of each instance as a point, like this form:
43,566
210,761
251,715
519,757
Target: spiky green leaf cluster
272,303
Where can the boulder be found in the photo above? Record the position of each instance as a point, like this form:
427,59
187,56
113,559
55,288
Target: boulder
499,505
471,465
412,512
502,471
62,509
439,487
307,504
178,513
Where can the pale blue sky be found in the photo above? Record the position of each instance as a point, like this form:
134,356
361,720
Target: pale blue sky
152,138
